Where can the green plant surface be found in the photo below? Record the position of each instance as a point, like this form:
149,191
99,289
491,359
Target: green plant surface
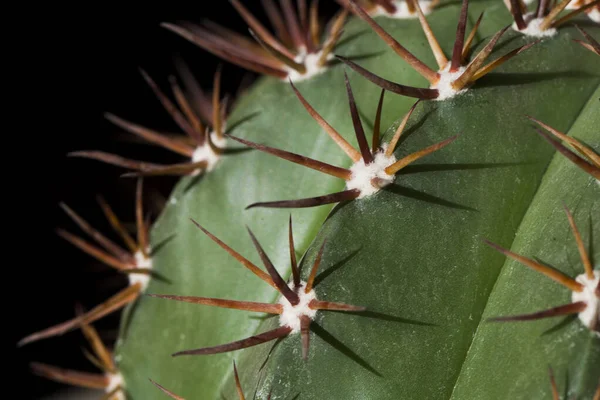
418,262
269,113
414,254
571,349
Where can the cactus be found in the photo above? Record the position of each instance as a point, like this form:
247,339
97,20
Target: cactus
418,261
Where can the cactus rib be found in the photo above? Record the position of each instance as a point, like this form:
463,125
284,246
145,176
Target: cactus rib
297,308
385,166
200,118
295,52
587,282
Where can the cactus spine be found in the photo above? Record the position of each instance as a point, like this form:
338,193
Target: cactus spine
503,141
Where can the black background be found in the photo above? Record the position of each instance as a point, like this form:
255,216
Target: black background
72,65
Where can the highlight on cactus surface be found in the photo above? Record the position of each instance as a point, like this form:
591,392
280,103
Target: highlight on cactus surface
297,307
544,21
454,76
110,380
201,117
135,262
374,166
585,288
295,51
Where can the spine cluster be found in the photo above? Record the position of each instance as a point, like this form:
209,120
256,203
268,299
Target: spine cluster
300,47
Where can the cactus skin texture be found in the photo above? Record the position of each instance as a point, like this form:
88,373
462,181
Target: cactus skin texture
414,253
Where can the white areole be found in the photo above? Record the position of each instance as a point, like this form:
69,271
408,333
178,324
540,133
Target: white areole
291,314
363,174
444,85
589,316
533,27
141,261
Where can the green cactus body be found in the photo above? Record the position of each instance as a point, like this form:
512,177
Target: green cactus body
412,253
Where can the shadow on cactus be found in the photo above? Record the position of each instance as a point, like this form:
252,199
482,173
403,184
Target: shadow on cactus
296,309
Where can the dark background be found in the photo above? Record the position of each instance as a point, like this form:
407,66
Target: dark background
74,64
